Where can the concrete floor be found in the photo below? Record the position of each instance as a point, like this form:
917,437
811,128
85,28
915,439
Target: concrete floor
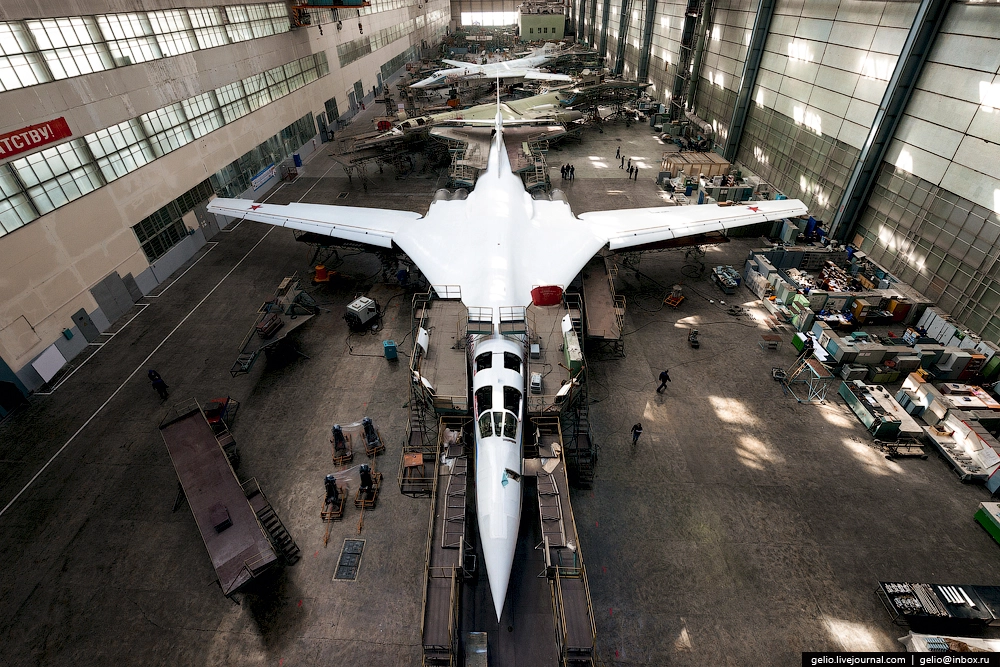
745,529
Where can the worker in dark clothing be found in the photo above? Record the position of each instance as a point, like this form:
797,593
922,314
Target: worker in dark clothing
158,384
630,165
618,152
622,165
635,174
572,173
636,432
664,379
630,172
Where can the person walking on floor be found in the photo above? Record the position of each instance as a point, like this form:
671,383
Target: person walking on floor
630,172
622,165
158,384
630,164
635,174
618,152
636,432
562,171
572,173
664,379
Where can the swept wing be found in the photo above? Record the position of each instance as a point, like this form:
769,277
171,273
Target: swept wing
373,226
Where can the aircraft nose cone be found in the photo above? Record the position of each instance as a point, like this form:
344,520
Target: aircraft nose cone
499,561
498,539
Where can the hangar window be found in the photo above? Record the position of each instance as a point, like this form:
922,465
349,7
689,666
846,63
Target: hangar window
120,149
56,176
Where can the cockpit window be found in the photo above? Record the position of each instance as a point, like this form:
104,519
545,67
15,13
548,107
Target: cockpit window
510,426
498,422
485,426
511,400
484,360
484,399
512,362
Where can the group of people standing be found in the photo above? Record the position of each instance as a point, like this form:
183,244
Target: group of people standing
568,172
633,172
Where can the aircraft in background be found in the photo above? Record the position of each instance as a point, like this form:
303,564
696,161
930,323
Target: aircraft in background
503,248
521,68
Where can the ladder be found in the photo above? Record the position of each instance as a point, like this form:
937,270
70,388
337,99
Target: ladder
269,521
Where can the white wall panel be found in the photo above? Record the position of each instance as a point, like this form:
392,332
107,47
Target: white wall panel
861,112
980,155
972,20
843,57
945,111
852,34
870,90
889,40
853,134
942,79
814,29
821,9
972,185
829,101
978,53
986,125
838,80
797,90
897,14
917,161
938,140
859,12
802,72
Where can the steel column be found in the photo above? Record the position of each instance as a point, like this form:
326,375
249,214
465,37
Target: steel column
602,50
591,25
704,27
917,47
758,36
645,51
623,24
579,20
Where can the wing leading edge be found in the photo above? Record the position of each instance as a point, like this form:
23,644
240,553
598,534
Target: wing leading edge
372,226
638,226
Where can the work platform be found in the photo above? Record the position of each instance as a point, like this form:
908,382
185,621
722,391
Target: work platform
546,333
604,309
236,541
441,370
547,617
446,548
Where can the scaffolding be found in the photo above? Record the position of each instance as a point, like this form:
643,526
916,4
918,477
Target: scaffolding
809,377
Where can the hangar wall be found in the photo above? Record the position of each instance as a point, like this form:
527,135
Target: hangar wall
53,260
932,216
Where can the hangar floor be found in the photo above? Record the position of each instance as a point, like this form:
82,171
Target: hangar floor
745,529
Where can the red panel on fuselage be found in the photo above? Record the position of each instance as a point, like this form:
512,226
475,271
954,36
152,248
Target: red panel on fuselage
546,295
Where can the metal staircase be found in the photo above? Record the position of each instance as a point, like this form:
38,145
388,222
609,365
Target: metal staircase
282,542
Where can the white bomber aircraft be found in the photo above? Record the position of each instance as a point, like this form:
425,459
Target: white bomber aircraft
503,248
522,68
